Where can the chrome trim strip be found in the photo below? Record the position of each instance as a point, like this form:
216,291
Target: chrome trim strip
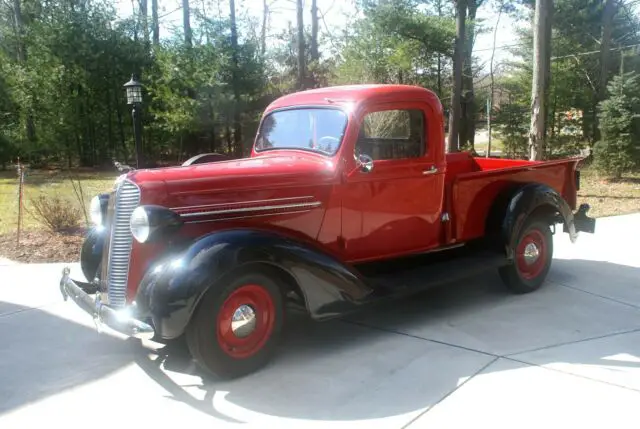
254,209
273,200
248,217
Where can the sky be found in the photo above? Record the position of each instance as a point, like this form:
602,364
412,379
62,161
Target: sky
336,14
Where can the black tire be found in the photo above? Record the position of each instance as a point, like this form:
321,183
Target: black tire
204,335
521,277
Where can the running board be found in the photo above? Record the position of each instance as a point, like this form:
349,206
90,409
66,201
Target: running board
423,272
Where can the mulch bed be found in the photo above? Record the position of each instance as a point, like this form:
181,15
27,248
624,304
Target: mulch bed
42,246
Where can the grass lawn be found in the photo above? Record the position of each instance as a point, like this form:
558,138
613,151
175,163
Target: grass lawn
49,183
608,197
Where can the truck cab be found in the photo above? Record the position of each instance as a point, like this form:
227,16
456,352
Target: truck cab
345,199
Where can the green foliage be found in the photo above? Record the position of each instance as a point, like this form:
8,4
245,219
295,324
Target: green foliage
397,41
618,151
64,102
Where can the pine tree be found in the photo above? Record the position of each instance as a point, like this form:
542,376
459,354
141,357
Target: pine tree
618,151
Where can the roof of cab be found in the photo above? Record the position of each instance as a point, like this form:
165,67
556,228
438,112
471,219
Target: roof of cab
356,94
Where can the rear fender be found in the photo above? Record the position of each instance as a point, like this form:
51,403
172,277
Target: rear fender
512,209
173,287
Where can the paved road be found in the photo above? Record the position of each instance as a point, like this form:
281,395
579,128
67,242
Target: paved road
461,356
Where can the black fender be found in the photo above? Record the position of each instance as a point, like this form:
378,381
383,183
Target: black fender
516,205
91,252
172,288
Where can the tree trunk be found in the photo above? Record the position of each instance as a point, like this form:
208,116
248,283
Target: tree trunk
468,120
541,59
110,141
315,54
237,128
439,71
123,142
21,54
17,16
301,48
455,108
492,87
155,22
265,23
186,23
144,17
605,55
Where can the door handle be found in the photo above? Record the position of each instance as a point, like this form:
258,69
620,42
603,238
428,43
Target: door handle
431,170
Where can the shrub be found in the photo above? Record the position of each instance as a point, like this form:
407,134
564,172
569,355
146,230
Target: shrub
618,151
55,213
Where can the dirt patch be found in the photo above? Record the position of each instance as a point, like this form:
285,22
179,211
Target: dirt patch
42,247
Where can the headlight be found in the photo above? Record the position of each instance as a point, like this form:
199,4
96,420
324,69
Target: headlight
139,224
149,223
95,210
98,208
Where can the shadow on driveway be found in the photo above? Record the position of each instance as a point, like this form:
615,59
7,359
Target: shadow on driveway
43,354
405,356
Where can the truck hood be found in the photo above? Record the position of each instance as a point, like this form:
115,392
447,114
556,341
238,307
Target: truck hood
261,172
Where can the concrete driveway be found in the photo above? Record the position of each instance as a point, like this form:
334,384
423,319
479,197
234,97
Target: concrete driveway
464,355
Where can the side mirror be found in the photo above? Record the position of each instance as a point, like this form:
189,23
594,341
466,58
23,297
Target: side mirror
365,163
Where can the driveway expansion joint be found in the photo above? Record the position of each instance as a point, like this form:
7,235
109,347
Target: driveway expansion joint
566,343
487,365
584,377
604,297
416,337
509,357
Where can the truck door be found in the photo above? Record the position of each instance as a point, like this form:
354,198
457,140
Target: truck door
393,205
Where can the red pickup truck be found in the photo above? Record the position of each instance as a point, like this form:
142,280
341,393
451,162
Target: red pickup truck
348,198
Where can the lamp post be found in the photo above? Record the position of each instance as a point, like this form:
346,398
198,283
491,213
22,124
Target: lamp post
134,98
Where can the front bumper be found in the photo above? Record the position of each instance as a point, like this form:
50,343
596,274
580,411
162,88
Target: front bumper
122,320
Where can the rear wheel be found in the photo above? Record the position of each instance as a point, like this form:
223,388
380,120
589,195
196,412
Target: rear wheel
532,258
235,328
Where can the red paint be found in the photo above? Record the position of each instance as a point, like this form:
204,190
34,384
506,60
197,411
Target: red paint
476,182
532,269
259,299
393,210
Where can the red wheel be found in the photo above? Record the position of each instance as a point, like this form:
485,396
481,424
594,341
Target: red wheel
245,321
235,328
532,258
530,254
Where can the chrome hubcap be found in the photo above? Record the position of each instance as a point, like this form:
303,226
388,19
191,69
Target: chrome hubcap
243,322
531,253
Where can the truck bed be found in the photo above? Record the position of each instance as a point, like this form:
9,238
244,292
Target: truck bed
472,184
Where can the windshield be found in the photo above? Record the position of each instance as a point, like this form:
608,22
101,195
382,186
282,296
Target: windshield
319,130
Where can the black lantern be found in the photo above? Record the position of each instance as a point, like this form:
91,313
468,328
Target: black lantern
134,99
134,91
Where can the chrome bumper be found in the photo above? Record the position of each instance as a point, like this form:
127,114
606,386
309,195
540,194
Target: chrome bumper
120,320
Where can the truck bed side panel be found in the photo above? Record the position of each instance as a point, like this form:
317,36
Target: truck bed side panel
474,193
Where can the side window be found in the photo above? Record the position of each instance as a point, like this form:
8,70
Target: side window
392,134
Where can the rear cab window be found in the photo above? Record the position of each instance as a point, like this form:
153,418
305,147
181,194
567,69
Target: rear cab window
392,134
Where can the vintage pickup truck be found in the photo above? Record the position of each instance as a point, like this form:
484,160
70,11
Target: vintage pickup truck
347,198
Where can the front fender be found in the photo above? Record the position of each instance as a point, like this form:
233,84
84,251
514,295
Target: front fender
91,252
527,200
172,288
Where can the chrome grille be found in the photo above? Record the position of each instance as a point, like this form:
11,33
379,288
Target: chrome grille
127,199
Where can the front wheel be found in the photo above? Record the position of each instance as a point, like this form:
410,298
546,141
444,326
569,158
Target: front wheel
236,327
532,258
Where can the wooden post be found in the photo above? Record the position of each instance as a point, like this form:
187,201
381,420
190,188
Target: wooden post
20,198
